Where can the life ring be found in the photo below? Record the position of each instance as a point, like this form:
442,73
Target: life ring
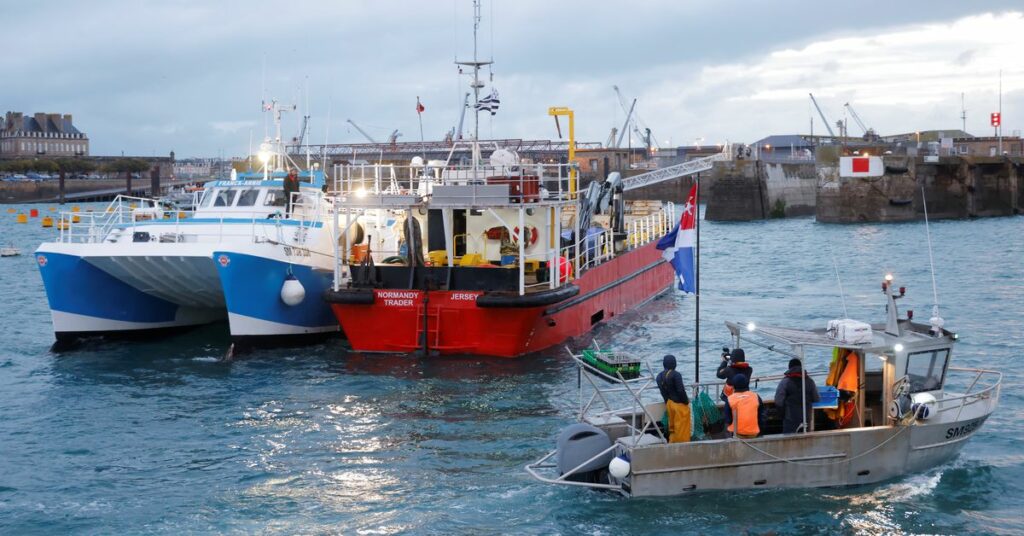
531,230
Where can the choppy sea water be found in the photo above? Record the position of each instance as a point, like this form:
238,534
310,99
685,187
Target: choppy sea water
163,437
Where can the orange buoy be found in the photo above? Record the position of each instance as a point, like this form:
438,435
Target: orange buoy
34,213
11,211
182,215
76,219
63,224
47,221
22,218
53,209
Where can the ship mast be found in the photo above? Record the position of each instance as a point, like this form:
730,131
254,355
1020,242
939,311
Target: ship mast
476,63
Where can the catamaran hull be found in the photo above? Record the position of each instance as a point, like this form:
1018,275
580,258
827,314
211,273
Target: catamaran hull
252,283
86,301
471,322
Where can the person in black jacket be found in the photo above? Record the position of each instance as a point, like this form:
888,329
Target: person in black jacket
790,402
677,404
733,363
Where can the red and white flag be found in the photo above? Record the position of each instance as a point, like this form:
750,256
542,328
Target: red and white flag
419,106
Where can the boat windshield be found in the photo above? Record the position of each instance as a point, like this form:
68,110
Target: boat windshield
926,370
247,198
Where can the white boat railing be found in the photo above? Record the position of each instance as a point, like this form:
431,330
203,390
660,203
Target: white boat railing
361,183
184,226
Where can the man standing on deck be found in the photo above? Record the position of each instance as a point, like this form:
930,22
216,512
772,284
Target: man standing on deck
789,400
677,404
291,184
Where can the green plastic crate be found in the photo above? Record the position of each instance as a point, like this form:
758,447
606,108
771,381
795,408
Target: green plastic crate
612,363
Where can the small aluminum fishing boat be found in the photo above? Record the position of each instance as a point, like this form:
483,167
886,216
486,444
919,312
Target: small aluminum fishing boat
902,409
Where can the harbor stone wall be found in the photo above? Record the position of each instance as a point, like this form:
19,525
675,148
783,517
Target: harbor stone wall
791,189
737,192
953,187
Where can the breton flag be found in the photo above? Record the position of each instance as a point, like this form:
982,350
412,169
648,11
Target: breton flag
419,106
678,245
489,103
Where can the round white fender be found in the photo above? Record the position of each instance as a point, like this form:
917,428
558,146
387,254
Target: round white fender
292,292
619,467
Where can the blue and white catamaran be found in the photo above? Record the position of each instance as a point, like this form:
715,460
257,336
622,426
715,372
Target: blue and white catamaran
244,255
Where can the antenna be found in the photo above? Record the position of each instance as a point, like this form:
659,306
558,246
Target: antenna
963,113
842,295
936,320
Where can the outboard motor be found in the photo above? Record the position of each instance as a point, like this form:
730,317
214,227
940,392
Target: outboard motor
578,443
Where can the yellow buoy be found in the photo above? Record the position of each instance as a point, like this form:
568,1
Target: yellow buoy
47,221
76,219
63,224
131,205
182,215
75,209
11,211
53,209
22,218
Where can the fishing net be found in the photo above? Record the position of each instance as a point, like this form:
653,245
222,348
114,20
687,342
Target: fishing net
706,416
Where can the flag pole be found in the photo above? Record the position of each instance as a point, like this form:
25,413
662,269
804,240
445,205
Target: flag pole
696,286
419,114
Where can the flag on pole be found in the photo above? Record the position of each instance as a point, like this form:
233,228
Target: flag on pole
489,103
678,245
419,106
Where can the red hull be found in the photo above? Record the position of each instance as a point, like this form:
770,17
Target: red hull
456,325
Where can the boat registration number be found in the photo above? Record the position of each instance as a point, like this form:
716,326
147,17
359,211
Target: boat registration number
966,429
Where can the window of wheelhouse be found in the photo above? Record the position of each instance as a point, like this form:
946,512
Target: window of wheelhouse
273,199
224,198
247,198
927,370
208,197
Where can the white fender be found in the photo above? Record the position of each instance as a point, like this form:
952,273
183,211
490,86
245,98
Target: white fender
292,291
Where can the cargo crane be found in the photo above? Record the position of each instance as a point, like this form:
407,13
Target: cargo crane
869,133
361,131
637,123
607,197
822,114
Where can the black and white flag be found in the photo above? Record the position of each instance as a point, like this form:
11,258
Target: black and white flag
489,103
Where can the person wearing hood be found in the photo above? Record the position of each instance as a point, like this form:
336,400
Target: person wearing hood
791,402
746,410
733,363
677,404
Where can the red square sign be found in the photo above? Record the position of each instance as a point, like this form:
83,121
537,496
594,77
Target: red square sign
861,165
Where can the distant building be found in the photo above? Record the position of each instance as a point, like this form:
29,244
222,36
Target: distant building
988,146
41,135
786,147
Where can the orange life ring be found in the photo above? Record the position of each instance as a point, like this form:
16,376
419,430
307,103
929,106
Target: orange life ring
532,231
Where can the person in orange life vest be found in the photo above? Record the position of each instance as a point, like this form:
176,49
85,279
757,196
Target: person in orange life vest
677,404
733,363
291,184
746,415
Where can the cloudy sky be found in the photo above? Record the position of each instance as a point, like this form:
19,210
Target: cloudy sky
147,77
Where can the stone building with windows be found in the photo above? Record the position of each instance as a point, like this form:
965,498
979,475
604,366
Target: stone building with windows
39,135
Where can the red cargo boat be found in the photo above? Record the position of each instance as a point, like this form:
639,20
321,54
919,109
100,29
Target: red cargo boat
500,257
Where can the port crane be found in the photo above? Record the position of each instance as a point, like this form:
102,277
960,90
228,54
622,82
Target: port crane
392,138
869,133
822,114
637,123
